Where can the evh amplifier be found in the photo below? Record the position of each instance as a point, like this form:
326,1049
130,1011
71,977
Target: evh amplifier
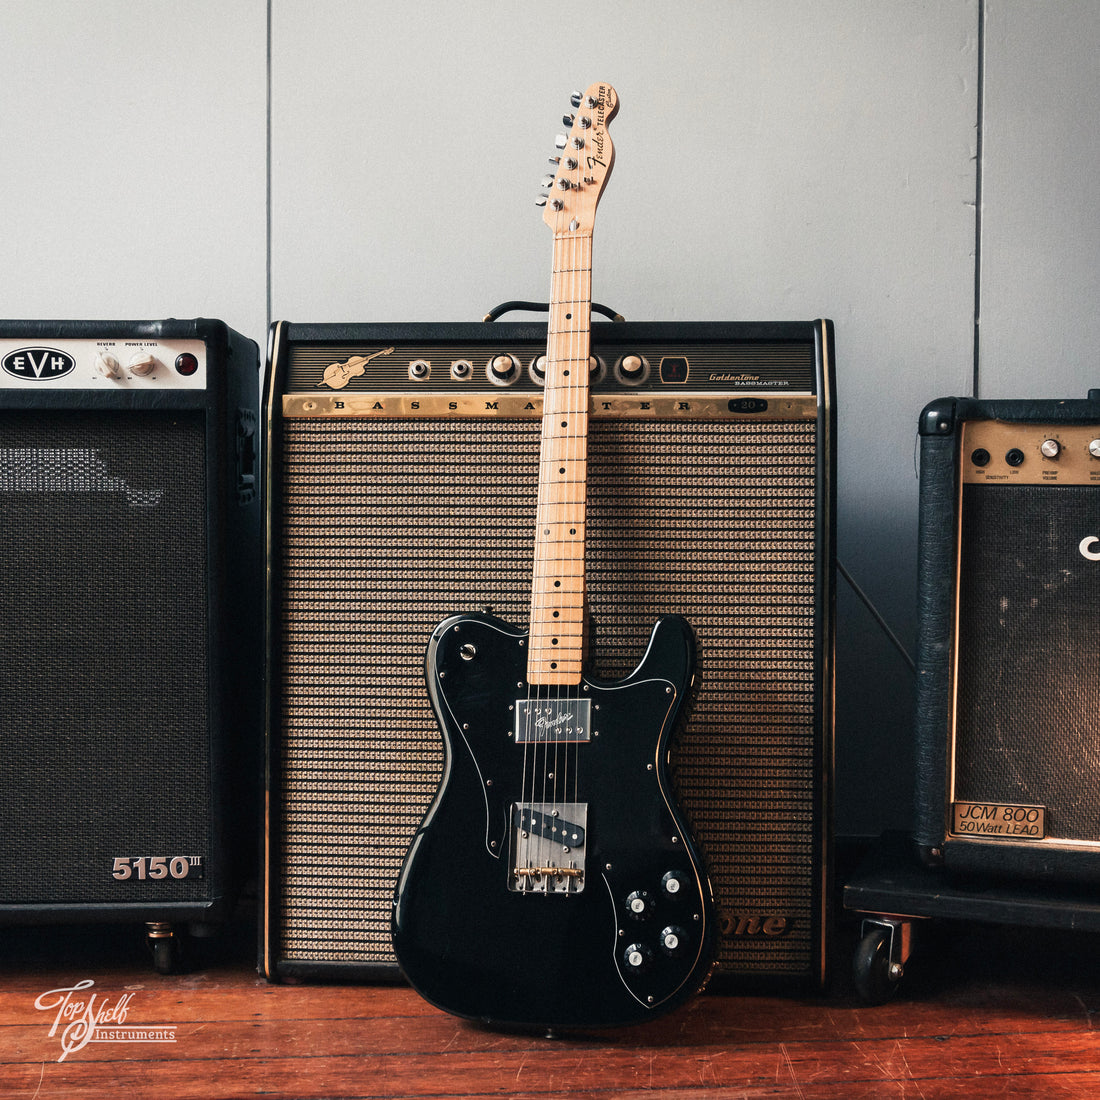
402,468
1008,703
130,607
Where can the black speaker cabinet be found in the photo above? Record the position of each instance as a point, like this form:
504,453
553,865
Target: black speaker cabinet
1008,697
130,604
403,471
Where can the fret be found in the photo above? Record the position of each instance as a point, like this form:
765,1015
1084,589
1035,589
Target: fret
556,643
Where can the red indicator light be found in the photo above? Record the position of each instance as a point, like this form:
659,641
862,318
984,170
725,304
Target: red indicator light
186,364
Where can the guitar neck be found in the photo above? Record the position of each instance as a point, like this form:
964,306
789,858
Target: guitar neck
557,620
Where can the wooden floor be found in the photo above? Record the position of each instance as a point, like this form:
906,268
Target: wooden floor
981,1012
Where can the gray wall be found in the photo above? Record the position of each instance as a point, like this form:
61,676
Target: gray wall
319,160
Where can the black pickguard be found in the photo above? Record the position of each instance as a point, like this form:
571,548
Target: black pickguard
628,936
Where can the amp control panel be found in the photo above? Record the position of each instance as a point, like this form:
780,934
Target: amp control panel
700,370
999,452
104,364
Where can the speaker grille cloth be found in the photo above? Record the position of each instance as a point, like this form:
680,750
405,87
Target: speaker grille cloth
389,527
1028,731
103,646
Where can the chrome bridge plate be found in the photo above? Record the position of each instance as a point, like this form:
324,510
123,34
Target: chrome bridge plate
548,847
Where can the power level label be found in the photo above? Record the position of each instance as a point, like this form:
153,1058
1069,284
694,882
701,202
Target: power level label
995,819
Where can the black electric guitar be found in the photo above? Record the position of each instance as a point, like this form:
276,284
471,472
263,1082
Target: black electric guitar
553,882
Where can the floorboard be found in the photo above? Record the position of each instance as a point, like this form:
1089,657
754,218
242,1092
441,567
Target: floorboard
982,1011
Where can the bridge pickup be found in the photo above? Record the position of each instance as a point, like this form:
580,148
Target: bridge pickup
548,721
550,826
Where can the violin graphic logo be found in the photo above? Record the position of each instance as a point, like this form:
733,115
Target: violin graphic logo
338,375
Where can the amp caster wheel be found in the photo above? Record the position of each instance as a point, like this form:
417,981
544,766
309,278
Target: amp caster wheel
880,958
166,947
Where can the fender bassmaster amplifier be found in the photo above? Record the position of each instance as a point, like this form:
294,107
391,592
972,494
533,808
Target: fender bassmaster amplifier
402,469
1008,702
130,609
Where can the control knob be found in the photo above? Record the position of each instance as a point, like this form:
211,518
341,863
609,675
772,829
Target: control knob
673,940
107,365
1050,448
143,363
673,883
639,905
632,370
502,369
1094,448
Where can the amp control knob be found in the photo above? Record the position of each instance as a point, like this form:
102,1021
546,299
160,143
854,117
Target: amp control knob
632,370
1094,448
107,365
143,363
1050,448
503,370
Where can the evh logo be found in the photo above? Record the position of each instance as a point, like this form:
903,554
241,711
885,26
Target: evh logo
1090,547
38,364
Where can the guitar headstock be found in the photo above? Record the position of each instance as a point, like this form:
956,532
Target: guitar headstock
583,162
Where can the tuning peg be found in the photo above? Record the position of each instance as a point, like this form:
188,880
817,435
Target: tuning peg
575,99
567,120
541,200
546,181
561,141
555,160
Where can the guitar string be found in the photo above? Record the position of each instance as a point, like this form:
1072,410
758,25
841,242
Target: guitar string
577,431
566,493
554,501
531,840
557,497
575,460
556,771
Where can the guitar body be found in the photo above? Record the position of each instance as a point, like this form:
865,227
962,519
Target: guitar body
553,881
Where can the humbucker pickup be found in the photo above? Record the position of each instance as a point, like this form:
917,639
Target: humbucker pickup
544,721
